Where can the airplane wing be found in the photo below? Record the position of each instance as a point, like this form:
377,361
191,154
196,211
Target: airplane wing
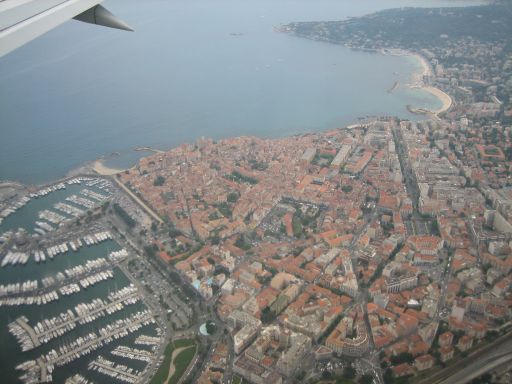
24,20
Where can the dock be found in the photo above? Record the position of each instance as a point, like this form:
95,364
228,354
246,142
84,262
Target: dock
47,329
117,371
39,370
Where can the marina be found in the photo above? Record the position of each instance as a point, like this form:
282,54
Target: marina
86,306
31,337
44,210
13,258
133,353
40,369
147,340
77,379
117,371
40,255
66,282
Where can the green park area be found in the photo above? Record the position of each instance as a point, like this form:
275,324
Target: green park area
177,356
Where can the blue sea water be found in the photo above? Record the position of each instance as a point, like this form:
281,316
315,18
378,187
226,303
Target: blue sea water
81,91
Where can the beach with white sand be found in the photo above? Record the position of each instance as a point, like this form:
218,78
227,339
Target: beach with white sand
418,82
102,169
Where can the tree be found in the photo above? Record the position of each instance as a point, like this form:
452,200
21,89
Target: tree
130,222
215,239
388,376
404,357
159,181
232,197
300,376
349,372
326,375
242,243
225,210
347,188
366,379
211,328
267,316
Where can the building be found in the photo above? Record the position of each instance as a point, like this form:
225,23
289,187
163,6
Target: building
349,337
341,156
446,353
308,156
245,328
276,352
424,362
465,343
401,284
255,373
445,339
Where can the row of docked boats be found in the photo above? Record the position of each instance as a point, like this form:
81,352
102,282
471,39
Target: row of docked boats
133,353
117,371
45,330
17,288
77,379
54,217
40,369
40,255
53,295
13,258
147,340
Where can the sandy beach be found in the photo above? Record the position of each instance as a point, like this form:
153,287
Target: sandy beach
417,78
417,82
444,97
101,169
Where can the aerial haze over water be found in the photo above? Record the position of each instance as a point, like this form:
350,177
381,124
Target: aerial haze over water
193,68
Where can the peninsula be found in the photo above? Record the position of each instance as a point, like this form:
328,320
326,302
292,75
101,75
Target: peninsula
464,51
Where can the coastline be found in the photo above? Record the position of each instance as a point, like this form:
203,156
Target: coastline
417,81
103,170
444,97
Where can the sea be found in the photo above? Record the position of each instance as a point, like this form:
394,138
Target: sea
192,68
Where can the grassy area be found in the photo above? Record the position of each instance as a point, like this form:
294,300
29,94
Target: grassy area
237,380
181,362
163,370
184,343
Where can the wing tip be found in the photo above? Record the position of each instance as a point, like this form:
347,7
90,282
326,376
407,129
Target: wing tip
99,15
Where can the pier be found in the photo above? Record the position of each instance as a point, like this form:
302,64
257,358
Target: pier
31,337
148,340
84,275
40,370
133,353
77,379
109,368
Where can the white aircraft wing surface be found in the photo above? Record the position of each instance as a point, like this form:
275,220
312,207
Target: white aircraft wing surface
24,20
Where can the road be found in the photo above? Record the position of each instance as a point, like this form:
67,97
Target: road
475,370
476,364
135,198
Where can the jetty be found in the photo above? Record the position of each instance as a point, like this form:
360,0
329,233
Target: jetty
117,371
394,87
47,329
133,353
